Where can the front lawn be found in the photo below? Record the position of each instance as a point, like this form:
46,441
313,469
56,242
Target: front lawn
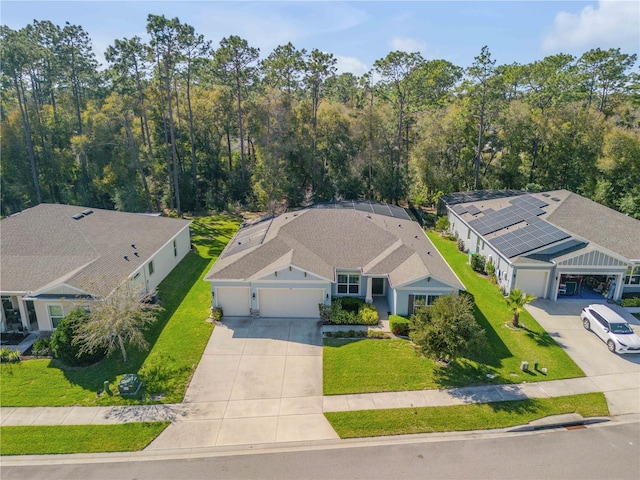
177,340
46,440
481,416
365,366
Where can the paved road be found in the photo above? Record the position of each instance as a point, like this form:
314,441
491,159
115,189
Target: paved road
606,451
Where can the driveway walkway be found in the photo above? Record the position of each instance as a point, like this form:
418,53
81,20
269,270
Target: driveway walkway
259,381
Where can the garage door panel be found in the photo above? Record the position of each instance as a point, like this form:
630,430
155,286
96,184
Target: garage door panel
234,301
290,302
533,282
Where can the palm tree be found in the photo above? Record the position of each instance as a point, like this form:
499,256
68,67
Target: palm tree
516,301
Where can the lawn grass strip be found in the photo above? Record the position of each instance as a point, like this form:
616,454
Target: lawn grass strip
482,416
58,439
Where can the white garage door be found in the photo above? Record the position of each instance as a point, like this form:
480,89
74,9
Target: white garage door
234,301
290,302
532,281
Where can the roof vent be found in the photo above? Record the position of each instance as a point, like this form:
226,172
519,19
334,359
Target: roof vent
88,211
136,254
77,216
545,194
133,245
126,258
555,199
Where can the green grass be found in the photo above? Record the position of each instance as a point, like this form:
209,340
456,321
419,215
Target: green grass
365,366
374,365
401,421
44,440
177,340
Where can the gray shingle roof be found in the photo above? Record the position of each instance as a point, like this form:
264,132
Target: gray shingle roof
323,240
598,224
44,246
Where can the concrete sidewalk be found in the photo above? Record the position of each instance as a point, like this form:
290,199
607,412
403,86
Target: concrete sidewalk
622,392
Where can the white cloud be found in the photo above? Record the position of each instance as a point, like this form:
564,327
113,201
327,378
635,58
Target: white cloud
408,45
610,24
351,64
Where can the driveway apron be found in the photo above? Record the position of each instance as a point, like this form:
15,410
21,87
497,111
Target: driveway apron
259,381
617,375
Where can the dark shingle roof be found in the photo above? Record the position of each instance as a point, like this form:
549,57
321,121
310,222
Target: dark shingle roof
321,240
44,246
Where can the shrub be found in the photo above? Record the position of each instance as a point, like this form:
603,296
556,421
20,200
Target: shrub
343,317
63,345
630,302
368,315
399,325
442,224
8,355
352,304
216,314
477,262
325,312
447,329
377,334
490,268
41,347
461,247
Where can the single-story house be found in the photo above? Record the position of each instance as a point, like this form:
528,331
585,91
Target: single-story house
555,245
285,266
53,257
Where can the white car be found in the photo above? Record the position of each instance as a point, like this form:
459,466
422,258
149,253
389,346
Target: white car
611,328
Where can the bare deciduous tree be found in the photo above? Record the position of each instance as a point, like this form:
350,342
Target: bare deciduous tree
117,320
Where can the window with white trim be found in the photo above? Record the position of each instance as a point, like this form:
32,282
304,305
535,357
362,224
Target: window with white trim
633,276
55,314
175,248
416,301
349,284
151,268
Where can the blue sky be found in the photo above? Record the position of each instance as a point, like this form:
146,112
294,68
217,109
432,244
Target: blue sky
360,32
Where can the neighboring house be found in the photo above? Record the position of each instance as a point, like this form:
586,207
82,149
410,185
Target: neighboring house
54,256
285,266
552,244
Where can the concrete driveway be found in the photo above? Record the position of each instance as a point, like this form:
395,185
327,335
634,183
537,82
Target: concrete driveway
617,375
259,381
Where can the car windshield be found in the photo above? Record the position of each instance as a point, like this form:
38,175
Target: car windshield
620,328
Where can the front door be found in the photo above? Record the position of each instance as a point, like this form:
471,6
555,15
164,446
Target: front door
377,286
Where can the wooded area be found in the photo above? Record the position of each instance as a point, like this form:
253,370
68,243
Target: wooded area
179,124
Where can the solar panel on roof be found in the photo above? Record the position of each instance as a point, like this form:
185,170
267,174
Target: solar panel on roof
381,209
459,209
536,234
473,210
488,211
363,206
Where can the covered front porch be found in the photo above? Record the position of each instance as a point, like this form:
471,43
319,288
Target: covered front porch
18,314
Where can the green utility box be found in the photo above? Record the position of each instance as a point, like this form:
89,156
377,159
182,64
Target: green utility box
129,385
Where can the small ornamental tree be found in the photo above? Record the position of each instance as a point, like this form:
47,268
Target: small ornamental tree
116,321
442,224
447,329
516,301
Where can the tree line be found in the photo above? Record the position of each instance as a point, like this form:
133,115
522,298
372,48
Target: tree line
176,123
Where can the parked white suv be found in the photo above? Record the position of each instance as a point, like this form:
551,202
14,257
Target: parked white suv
611,328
